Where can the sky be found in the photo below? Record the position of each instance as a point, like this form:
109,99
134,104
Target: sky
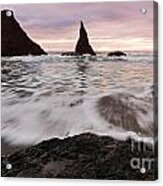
110,25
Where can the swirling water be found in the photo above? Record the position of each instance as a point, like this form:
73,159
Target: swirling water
56,96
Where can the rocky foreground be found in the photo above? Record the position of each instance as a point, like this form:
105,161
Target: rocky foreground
85,156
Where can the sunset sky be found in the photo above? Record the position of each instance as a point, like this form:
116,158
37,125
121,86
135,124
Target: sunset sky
110,25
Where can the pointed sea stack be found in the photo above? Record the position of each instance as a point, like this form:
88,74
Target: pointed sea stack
14,41
83,46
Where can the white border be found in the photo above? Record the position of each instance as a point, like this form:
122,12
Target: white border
61,182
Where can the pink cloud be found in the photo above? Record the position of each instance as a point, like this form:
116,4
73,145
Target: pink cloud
112,25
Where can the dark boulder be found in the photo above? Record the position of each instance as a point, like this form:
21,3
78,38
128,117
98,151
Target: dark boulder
117,53
83,46
14,41
69,54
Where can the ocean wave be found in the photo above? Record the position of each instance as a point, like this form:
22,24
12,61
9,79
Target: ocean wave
58,96
97,58
128,112
119,115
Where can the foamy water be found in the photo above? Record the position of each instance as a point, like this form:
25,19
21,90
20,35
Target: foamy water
55,96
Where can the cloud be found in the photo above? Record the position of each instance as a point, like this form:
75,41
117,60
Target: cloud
110,21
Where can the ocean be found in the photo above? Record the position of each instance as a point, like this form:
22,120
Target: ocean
59,96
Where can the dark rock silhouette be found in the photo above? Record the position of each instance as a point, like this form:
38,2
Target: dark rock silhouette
14,41
69,54
117,53
83,46
85,156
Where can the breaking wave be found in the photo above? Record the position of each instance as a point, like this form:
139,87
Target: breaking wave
57,96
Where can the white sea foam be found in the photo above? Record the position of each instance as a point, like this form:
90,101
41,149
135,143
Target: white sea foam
97,58
56,96
30,122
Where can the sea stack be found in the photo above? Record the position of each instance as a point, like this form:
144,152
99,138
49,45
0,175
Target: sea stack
83,46
117,54
14,41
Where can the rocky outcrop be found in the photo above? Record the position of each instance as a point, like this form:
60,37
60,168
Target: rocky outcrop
83,46
85,156
117,53
69,54
14,41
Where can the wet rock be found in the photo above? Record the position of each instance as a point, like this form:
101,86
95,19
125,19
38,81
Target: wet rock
69,54
85,156
117,53
14,41
83,46
76,103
